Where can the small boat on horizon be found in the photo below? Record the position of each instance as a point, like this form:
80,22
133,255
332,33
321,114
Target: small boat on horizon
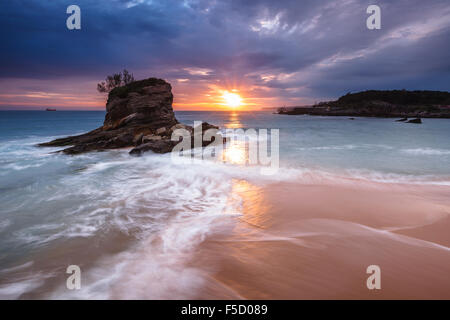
50,109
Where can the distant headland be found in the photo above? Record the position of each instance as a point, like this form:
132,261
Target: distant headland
376,103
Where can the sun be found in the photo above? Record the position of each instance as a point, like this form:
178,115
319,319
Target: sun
233,100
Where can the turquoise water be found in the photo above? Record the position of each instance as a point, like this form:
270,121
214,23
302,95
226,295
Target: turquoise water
321,142
99,210
368,144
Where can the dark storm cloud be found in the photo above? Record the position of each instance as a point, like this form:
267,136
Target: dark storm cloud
310,48
37,44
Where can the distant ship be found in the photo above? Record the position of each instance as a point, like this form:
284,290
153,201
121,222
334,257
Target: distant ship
50,109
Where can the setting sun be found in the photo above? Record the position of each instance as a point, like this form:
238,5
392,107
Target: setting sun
232,100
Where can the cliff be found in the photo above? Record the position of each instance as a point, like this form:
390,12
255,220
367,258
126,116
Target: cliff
394,103
138,115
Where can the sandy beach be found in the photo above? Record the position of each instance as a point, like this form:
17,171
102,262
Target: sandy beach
299,241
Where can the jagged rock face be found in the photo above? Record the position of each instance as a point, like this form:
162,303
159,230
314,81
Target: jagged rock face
138,115
147,102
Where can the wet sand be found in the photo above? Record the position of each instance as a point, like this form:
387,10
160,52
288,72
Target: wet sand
299,241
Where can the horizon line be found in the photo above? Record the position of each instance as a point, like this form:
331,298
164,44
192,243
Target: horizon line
104,110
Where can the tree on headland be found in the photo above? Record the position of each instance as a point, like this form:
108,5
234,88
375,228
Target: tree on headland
116,80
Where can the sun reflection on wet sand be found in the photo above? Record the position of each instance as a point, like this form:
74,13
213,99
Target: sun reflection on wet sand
253,206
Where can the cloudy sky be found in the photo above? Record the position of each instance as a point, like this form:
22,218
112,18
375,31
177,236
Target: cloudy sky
273,53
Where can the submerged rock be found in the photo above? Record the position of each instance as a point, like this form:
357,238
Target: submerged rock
138,115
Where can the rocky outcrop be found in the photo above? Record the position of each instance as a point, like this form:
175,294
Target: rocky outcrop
418,120
163,143
138,115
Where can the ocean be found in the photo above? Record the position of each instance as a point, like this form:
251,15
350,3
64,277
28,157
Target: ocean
133,224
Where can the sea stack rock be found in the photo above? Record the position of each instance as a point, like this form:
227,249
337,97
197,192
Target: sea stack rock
138,114
145,103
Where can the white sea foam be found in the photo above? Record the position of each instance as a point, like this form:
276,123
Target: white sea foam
138,193
173,210
17,268
347,147
15,290
4,224
427,151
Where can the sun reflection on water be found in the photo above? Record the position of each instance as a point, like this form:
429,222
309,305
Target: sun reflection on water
233,121
235,152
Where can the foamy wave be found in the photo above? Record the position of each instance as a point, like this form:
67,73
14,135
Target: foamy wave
347,147
139,195
12,291
170,209
383,177
17,268
4,224
427,151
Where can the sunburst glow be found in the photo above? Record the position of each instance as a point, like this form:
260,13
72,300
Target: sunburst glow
232,100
